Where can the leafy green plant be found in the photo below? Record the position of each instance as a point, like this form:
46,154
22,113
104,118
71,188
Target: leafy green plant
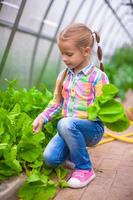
20,149
109,110
119,70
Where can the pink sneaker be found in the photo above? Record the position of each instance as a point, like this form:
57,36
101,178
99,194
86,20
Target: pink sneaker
81,178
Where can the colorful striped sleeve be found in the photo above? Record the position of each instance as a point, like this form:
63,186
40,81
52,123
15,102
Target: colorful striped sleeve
102,79
54,105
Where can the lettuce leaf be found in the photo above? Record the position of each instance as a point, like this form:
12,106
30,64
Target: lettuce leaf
109,110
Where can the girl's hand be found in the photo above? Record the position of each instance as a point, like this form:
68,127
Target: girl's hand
37,124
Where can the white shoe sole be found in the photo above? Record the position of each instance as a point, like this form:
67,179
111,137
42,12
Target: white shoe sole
74,183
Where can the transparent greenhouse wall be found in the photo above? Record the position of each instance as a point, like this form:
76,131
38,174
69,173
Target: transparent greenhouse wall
20,55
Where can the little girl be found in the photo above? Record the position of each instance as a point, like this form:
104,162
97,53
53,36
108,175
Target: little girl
76,88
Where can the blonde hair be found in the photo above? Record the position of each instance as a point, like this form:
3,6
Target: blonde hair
83,37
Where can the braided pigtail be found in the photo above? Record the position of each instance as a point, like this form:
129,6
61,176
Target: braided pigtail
99,50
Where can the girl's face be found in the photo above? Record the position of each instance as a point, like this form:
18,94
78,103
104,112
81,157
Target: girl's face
73,56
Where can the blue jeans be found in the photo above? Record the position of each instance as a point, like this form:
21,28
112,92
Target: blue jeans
70,142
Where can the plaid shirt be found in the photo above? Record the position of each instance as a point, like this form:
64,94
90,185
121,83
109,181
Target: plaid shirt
79,91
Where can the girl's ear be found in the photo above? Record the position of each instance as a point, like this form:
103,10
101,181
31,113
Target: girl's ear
86,51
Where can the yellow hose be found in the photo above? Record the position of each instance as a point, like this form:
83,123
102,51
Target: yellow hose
112,137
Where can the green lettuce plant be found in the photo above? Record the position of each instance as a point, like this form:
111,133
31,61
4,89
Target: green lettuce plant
20,149
109,110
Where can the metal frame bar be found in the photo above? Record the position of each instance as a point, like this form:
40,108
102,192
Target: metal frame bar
73,19
22,29
9,4
78,10
9,43
117,40
89,11
98,9
1,4
52,44
110,27
104,13
107,19
110,42
37,42
119,20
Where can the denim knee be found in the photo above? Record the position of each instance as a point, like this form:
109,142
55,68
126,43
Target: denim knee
49,159
64,125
